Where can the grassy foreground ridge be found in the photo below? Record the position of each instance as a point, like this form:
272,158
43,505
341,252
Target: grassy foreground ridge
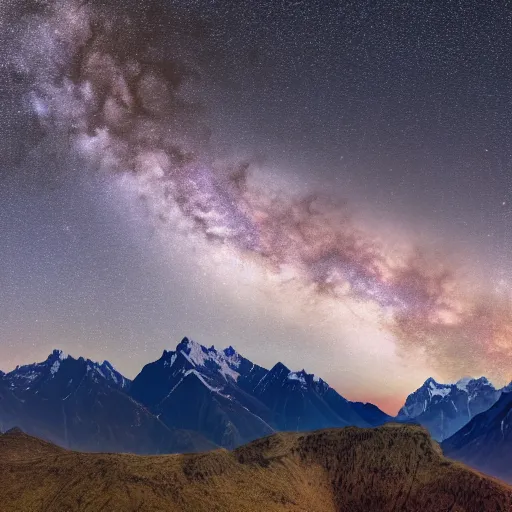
389,468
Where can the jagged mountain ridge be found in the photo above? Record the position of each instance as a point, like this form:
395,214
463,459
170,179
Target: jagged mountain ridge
445,408
231,400
195,388
202,396
205,397
28,377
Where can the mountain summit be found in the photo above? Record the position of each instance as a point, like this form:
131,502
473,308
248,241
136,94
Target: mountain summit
445,408
231,400
196,388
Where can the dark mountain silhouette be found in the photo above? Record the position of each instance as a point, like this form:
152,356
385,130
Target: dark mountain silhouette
197,398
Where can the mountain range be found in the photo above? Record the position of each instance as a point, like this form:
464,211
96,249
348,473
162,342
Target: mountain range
83,405
196,398
392,467
191,399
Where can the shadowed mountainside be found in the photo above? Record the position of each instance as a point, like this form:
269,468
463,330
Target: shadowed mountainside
192,399
393,467
486,441
83,405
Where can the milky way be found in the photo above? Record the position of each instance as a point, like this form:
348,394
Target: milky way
128,101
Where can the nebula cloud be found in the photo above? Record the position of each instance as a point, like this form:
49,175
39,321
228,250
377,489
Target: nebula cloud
126,100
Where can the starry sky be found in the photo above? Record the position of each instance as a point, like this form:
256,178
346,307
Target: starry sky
328,184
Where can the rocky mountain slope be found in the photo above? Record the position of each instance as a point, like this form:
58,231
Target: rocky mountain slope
230,400
486,441
83,405
196,398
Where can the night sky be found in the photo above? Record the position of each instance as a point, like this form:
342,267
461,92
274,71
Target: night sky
328,184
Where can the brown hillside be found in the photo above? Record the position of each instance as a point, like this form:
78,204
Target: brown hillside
18,446
390,468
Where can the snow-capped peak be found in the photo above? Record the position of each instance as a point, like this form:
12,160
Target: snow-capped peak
106,371
223,362
507,388
195,353
232,356
112,374
466,389
305,378
483,380
436,389
54,360
24,376
464,384
230,351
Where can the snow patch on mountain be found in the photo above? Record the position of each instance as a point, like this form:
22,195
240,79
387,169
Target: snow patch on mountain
111,372
462,384
173,359
199,356
297,376
441,390
55,367
195,353
232,357
201,378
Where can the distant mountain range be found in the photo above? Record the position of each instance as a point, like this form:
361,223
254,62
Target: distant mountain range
231,401
196,398
83,405
191,399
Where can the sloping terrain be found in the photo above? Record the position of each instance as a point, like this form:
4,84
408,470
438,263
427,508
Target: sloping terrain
486,441
15,445
83,405
195,388
389,468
